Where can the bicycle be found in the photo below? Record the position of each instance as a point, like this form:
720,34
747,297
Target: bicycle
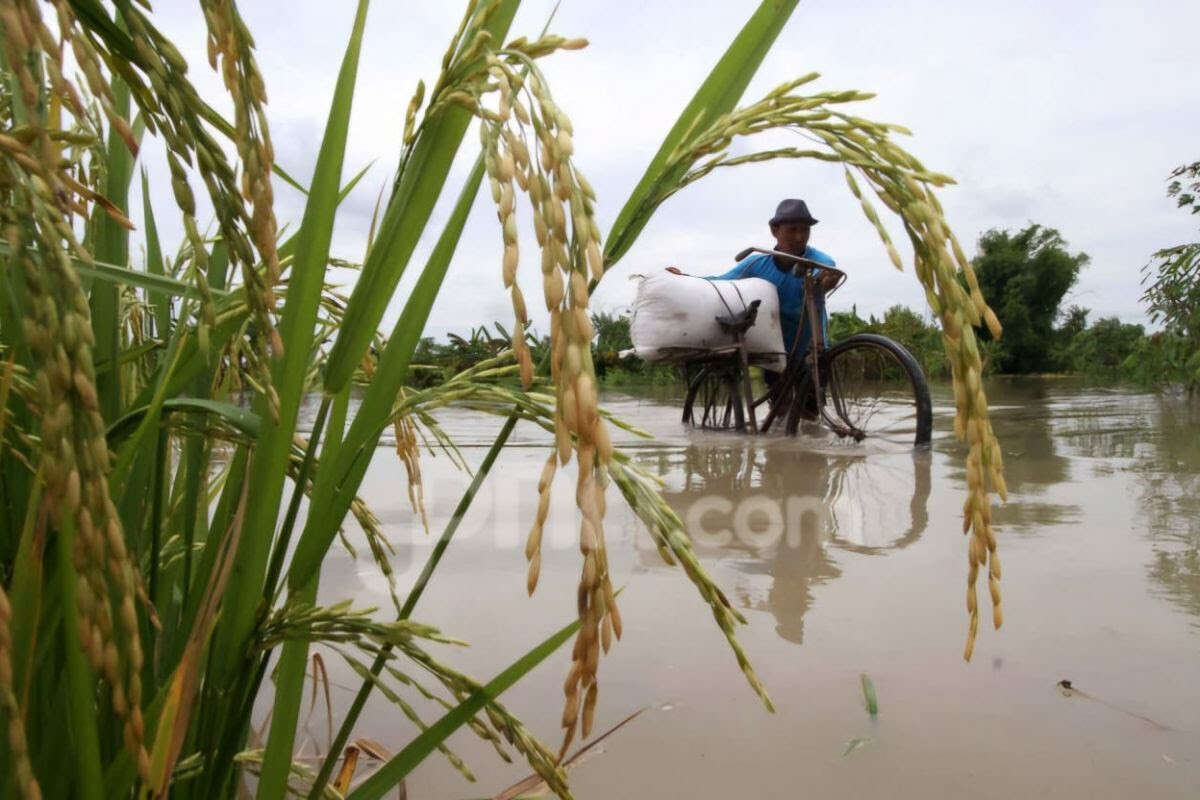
866,385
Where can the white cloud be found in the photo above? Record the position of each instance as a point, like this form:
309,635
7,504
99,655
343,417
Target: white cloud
1067,114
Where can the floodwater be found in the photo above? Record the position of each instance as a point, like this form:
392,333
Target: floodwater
846,560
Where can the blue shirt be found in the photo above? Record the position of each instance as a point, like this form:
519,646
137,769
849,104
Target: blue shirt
791,294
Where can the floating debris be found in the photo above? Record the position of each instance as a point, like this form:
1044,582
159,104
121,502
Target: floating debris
1068,690
855,743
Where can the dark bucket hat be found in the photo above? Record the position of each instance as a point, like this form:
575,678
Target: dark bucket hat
792,211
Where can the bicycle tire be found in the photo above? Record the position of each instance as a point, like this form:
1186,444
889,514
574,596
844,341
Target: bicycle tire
694,383
875,386
714,398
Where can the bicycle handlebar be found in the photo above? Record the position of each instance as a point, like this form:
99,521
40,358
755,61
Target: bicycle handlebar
808,262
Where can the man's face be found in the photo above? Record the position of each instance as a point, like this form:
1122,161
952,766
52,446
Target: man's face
791,237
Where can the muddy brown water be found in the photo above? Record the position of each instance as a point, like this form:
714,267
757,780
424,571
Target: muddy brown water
845,559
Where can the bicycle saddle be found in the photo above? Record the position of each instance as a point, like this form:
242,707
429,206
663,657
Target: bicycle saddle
740,322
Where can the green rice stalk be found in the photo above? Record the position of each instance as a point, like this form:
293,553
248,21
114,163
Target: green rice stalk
275,441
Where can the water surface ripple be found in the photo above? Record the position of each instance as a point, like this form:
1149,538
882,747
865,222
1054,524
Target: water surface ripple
846,559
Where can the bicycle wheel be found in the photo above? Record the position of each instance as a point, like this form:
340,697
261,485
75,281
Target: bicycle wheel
876,388
714,397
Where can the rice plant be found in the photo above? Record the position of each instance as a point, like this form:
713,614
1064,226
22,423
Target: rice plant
153,566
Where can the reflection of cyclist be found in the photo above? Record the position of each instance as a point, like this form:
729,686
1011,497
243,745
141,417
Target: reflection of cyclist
796,483
785,507
802,560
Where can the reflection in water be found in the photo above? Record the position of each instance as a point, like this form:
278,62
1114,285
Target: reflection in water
1025,415
773,510
1153,436
1170,476
868,502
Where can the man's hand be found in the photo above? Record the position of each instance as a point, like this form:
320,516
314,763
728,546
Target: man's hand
674,270
828,280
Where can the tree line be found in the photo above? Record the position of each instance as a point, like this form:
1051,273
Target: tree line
1024,275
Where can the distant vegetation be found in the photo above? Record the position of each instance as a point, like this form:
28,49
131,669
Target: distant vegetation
1172,297
434,361
1023,275
1105,349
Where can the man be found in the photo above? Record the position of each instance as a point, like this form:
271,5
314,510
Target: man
791,226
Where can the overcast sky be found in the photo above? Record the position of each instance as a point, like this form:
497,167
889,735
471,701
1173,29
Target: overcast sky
1068,114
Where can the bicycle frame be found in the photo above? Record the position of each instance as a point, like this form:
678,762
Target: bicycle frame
817,340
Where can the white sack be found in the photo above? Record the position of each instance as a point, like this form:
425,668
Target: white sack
679,311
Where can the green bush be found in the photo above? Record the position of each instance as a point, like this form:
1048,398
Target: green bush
1103,348
921,338
611,339
1024,277
1172,294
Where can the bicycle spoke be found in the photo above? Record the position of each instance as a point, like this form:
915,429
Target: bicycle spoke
870,388
872,392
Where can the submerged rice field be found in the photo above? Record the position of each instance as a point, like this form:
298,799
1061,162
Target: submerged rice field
846,562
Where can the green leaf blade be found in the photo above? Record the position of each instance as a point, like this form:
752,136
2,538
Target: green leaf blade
339,479
403,762
269,466
111,243
160,300
420,185
718,95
